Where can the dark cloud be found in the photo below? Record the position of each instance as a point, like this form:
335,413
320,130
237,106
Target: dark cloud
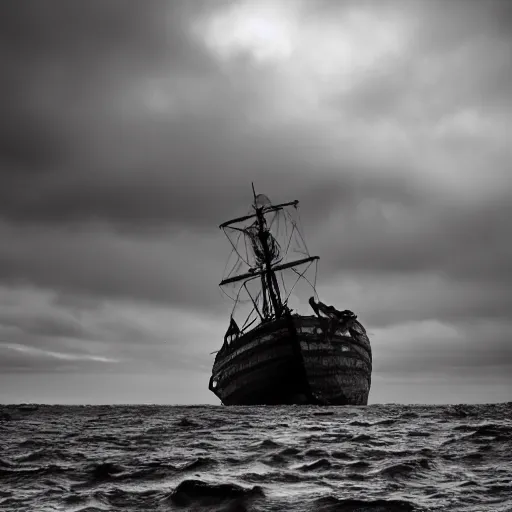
59,58
198,180
44,326
79,145
461,242
128,132
471,349
170,269
94,152
390,299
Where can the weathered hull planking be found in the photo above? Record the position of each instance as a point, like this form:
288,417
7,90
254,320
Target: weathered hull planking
295,360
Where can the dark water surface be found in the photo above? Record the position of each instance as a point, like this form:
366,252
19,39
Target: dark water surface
144,458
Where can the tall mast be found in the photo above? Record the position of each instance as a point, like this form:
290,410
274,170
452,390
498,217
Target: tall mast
263,275
266,252
269,275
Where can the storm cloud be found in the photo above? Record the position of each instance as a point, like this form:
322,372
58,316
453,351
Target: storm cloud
129,131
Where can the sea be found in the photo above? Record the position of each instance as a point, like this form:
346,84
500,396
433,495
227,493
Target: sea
213,458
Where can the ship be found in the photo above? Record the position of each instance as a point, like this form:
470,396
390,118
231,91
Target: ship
280,356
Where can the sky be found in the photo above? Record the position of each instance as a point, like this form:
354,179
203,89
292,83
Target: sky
130,130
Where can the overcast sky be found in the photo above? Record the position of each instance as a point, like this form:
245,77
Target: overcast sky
129,130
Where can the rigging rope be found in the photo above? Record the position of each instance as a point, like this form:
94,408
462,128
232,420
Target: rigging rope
253,251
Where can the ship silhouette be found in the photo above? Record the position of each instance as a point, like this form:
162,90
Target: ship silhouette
279,356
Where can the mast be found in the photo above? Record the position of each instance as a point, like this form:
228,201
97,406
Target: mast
266,250
269,275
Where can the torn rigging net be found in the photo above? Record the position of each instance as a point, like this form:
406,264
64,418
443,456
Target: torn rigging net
283,240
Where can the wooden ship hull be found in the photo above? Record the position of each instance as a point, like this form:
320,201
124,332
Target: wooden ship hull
295,360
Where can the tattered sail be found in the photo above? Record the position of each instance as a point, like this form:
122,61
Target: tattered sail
272,245
266,242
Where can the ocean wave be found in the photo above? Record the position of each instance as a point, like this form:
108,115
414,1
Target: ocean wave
258,459
318,465
331,504
407,468
206,494
51,455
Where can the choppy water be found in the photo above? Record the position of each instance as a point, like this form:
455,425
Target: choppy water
144,458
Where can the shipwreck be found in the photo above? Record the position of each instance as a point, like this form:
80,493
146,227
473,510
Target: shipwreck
277,355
